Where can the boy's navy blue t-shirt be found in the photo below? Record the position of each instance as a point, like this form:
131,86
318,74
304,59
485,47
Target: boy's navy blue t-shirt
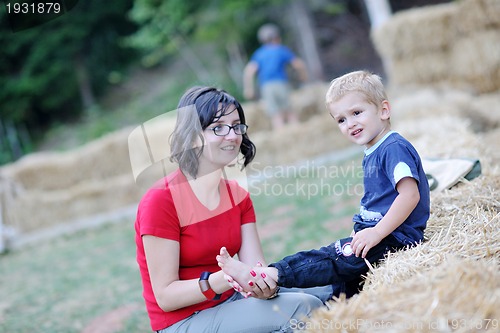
387,162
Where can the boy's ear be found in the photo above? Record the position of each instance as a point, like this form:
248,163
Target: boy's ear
385,111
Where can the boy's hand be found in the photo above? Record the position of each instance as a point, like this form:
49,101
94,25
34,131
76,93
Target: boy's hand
364,240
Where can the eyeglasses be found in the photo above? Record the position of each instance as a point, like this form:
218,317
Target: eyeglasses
223,130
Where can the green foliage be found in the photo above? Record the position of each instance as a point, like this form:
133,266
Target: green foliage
161,24
165,25
39,81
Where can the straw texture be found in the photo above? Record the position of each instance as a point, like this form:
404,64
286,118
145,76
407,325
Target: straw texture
454,44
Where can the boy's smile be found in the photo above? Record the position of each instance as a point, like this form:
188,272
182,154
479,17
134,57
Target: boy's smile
359,120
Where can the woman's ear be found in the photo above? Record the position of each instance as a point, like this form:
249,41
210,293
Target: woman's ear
199,142
385,110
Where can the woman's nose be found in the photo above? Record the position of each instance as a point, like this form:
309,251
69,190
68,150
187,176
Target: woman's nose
231,135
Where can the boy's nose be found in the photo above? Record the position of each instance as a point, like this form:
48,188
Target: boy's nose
350,123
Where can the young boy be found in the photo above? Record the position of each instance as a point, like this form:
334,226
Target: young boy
394,209
269,63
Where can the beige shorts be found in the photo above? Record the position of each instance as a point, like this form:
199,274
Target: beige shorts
276,97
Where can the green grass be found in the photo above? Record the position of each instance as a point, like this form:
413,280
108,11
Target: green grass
310,209
63,285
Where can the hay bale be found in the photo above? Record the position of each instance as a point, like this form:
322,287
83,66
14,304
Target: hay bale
475,61
416,103
256,119
484,113
412,32
318,135
461,295
450,282
37,210
454,44
97,178
309,100
99,159
476,15
422,68
452,118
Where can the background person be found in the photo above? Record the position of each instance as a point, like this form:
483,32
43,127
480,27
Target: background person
269,62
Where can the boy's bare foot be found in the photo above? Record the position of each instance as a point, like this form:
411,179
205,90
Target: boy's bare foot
254,279
239,271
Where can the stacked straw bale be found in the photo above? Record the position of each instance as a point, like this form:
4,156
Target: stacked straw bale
99,160
451,44
450,282
450,124
54,188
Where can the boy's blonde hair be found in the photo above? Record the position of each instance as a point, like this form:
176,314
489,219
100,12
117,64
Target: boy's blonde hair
364,82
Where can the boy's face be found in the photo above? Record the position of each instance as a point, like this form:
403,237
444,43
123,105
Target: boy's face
360,121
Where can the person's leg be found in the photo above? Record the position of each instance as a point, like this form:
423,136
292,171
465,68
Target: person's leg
324,293
271,99
329,265
281,314
282,98
242,273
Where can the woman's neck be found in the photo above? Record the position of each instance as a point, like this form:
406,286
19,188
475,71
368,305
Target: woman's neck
206,188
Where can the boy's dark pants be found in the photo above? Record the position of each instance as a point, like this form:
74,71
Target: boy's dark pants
334,264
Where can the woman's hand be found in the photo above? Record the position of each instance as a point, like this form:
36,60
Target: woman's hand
263,287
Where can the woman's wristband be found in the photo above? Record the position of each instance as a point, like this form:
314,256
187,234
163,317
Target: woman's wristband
275,294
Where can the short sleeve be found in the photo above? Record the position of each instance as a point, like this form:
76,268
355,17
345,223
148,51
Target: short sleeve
242,198
247,211
399,163
157,215
288,55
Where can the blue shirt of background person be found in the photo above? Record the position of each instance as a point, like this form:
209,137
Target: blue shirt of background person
272,60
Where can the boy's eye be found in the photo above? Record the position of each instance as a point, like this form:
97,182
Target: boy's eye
341,120
356,113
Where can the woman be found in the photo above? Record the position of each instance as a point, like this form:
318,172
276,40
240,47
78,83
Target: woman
185,219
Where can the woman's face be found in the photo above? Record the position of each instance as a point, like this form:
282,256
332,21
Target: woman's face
220,151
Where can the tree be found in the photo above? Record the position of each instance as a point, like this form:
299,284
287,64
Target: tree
379,11
52,71
229,26
301,19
